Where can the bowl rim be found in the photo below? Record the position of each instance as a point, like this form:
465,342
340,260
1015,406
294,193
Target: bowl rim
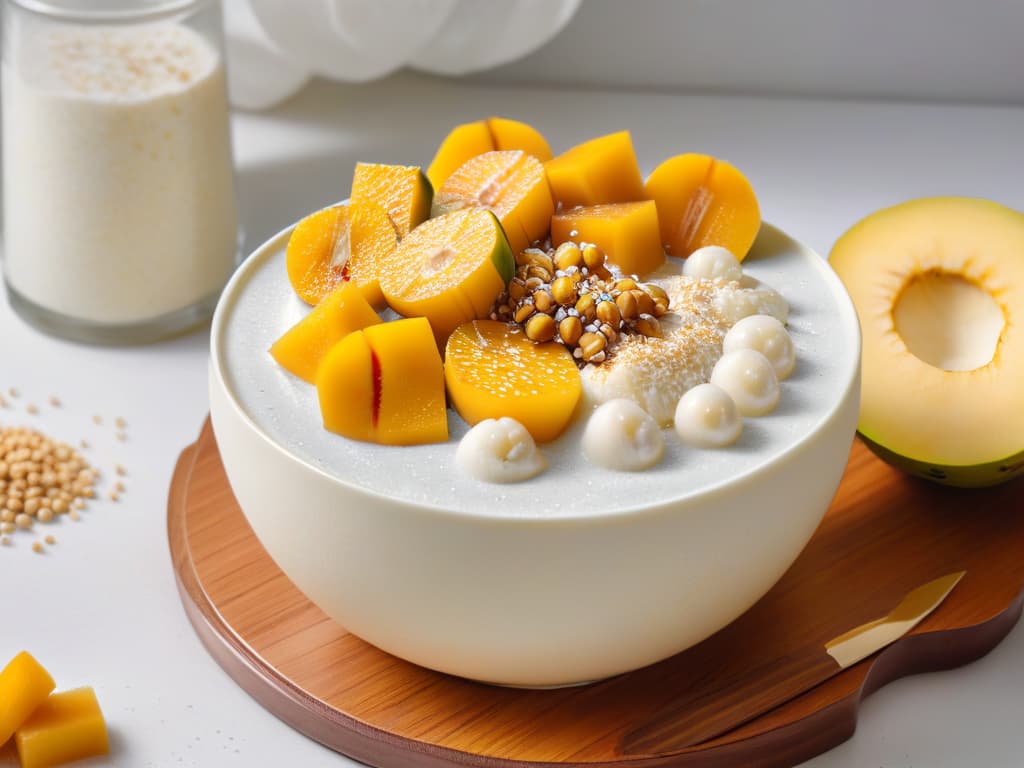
851,375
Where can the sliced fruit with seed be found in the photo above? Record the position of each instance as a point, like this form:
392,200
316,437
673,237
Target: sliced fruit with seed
337,244
628,233
401,190
492,370
450,269
304,345
703,201
472,139
602,170
510,184
385,384
938,284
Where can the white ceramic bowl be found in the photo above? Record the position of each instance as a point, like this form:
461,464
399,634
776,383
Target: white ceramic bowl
574,576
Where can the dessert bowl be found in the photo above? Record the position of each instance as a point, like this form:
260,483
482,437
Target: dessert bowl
573,576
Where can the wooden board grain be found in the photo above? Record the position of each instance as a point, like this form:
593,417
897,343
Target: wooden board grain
884,534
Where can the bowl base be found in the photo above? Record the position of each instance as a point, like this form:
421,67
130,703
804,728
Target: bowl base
358,700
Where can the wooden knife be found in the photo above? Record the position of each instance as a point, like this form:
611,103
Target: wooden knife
737,701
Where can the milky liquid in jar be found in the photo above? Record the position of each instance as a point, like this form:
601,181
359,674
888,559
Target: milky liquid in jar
119,203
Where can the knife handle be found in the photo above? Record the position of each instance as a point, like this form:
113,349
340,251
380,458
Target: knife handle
730,702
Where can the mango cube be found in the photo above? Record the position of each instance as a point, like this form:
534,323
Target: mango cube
67,726
24,685
304,345
471,139
628,233
602,170
385,384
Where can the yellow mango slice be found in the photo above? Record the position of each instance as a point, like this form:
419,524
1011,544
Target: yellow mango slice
472,139
24,685
602,170
385,384
510,184
512,134
411,401
450,269
703,201
628,233
347,386
304,345
492,370
337,244
464,141
401,190
67,726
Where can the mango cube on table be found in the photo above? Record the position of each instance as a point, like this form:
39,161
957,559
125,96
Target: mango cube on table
67,726
24,685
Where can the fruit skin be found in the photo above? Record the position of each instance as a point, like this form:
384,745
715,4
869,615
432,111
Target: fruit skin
385,384
703,201
628,233
512,185
362,233
602,170
301,348
450,269
401,190
492,371
962,428
471,139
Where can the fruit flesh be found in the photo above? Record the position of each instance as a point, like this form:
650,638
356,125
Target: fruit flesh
628,233
471,139
492,371
338,244
511,185
24,685
401,190
962,427
602,170
68,726
410,380
304,345
385,384
703,201
449,270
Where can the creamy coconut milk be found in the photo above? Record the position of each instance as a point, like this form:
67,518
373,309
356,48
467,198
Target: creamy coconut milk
119,199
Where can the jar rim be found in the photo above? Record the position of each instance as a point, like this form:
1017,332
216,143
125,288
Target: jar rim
154,12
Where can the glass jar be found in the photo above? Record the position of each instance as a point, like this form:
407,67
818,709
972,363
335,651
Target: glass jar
120,220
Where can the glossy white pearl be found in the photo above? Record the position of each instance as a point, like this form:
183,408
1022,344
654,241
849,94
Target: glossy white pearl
749,379
707,417
622,435
766,335
711,262
499,451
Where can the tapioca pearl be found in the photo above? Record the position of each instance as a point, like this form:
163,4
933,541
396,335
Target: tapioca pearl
766,335
623,436
749,379
711,262
707,417
499,451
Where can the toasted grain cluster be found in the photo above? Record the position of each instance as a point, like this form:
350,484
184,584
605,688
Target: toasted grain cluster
569,295
40,478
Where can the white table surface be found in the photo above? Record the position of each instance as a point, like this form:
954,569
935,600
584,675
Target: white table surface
101,606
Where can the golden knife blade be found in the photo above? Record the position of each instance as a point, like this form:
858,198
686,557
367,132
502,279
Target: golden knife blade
860,642
748,693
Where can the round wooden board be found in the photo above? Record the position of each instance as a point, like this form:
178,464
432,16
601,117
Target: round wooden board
884,534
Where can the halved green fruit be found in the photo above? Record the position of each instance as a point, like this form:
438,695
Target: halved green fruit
938,284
